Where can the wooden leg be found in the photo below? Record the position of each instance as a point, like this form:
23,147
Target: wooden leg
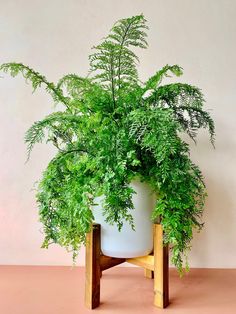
161,269
93,271
148,273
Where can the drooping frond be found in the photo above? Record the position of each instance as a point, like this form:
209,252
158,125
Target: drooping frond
192,119
74,85
187,102
64,201
181,191
174,95
36,80
56,123
156,79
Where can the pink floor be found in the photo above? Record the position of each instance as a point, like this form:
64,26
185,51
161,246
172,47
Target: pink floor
60,290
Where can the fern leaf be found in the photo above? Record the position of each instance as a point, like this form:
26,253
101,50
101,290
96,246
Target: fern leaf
36,80
187,102
113,61
75,85
156,79
36,132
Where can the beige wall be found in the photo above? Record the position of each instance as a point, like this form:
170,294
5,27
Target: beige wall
55,37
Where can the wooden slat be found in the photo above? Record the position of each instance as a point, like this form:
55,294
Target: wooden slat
161,269
148,273
93,271
108,262
146,262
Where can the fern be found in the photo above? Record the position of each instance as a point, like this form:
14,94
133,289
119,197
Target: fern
187,103
36,80
56,124
156,79
114,61
113,129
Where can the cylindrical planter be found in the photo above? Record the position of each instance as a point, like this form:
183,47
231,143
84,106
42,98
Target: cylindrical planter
129,243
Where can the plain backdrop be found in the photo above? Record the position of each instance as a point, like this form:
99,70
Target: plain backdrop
55,37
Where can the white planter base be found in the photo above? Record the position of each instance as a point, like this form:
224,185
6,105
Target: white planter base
129,243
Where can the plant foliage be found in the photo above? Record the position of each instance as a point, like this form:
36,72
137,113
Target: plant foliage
114,128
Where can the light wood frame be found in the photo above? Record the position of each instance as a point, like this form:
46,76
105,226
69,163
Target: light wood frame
156,265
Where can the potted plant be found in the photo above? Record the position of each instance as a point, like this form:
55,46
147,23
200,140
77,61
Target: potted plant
114,131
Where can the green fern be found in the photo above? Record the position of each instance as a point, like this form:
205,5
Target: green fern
113,129
156,79
36,79
114,60
59,125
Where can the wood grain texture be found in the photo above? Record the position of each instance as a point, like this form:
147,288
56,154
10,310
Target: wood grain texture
161,269
107,262
93,271
148,273
143,261
155,265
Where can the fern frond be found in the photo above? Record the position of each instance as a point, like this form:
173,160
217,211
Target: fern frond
53,122
114,62
75,85
130,32
177,93
198,118
85,95
156,79
36,80
187,102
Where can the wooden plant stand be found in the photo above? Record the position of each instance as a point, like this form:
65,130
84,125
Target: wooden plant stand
156,265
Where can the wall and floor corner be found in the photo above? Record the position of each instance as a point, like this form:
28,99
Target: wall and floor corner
55,37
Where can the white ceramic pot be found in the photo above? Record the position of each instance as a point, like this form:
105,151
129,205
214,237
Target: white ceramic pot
129,243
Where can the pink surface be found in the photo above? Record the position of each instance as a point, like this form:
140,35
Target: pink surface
60,290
